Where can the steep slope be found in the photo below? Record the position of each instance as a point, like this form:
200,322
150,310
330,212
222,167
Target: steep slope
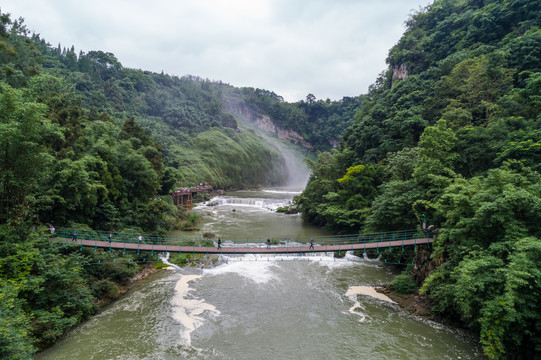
450,132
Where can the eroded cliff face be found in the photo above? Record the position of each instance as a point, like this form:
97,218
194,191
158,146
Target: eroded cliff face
264,122
400,72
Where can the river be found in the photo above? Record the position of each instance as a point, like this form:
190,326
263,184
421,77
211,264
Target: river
253,307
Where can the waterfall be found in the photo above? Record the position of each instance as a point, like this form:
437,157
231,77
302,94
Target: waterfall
270,204
365,256
165,259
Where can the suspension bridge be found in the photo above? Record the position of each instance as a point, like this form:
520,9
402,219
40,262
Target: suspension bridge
131,242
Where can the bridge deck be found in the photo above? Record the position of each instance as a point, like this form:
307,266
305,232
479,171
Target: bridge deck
254,249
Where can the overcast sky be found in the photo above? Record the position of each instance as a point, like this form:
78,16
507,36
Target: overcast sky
328,48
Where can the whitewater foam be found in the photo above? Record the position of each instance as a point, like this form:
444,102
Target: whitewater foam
268,204
187,309
165,259
246,266
259,267
283,192
357,308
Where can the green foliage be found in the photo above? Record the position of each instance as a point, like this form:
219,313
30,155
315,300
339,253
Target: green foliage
86,140
502,206
487,224
392,208
207,242
450,131
474,86
230,159
24,162
320,122
323,180
183,259
47,288
454,122
404,283
496,297
105,289
15,342
191,222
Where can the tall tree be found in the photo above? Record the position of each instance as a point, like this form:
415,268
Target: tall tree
24,159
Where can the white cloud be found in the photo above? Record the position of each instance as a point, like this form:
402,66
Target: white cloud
292,47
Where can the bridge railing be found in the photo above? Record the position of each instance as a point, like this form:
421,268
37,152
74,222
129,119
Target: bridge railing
344,240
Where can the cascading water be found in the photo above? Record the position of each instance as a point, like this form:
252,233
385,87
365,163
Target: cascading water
165,259
297,172
269,204
264,307
365,256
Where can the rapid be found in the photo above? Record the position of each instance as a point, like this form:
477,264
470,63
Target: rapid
262,307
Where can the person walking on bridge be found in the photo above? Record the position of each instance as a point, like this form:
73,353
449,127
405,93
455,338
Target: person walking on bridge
219,243
268,243
311,244
74,238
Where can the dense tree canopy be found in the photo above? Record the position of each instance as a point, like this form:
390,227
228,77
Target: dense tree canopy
454,125
88,144
450,131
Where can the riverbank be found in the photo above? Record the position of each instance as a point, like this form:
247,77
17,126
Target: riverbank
415,304
178,313
123,288
185,260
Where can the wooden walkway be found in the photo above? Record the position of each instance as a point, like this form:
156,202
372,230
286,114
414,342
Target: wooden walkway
256,248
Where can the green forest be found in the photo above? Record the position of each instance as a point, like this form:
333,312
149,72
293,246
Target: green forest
449,132
88,144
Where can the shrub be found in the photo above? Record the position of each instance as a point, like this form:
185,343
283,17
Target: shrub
106,288
207,243
404,284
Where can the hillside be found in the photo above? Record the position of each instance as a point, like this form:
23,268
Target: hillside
450,132
125,135
88,144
